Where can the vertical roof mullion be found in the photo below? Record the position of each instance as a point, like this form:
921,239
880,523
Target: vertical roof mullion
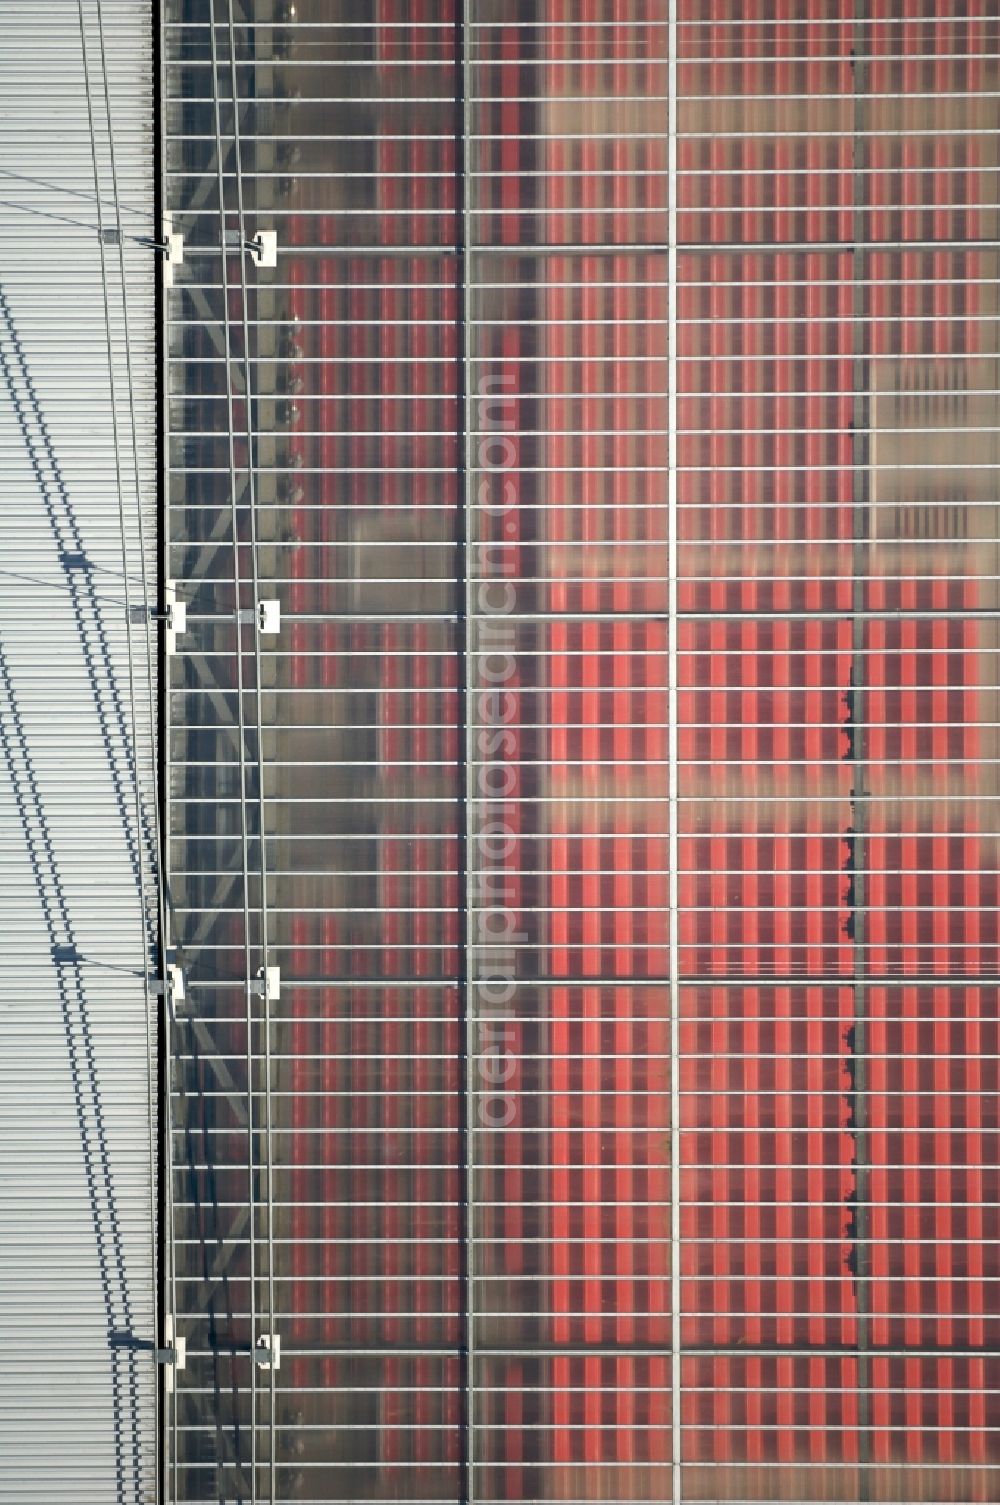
265,996
464,607
169,1444
672,756
241,737
861,528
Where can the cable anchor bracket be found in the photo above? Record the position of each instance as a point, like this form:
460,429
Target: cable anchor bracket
171,248
173,1354
263,247
268,1351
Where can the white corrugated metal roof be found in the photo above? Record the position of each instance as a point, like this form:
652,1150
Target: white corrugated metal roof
77,1286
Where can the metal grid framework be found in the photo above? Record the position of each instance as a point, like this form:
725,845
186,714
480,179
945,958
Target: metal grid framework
618,434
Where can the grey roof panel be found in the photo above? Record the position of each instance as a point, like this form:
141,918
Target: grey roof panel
77,1190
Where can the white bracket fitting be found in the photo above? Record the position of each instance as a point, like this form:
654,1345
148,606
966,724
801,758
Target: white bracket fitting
172,986
270,617
267,984
176,616
264,248
174,1355
173,251
268,1351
